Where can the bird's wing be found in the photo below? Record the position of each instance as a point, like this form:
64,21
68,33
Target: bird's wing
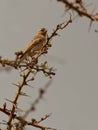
34,42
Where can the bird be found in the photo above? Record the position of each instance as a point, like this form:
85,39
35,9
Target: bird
35,45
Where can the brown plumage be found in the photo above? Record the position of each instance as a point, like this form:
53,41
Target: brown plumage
35,45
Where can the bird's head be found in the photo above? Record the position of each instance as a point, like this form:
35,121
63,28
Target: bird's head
42,31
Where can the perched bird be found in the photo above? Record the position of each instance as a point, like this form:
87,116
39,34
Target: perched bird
35,45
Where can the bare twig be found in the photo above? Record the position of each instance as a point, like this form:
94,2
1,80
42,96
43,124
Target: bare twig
81,11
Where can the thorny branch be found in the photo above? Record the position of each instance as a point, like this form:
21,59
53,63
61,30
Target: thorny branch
33,121
59,27
24,122
79,7
28,67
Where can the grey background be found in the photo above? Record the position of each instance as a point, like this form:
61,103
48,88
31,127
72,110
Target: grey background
73,96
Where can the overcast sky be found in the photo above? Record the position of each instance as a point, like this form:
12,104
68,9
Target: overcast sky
73,96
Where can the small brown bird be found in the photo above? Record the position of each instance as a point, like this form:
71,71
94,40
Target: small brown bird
35,45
